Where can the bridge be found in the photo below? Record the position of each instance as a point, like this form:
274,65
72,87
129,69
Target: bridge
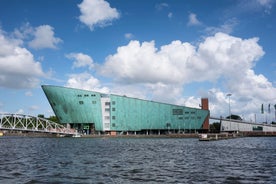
27,123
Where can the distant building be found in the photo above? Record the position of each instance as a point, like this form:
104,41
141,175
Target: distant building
230,125
94,112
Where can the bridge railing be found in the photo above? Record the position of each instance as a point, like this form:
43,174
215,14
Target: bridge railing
32,123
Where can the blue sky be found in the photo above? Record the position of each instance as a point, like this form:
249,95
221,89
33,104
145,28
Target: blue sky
169,51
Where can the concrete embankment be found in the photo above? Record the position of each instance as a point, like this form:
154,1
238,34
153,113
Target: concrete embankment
29,134
188,135
221,136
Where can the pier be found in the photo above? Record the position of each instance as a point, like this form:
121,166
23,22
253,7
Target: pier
218,136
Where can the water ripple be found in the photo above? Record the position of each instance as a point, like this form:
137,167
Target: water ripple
117,160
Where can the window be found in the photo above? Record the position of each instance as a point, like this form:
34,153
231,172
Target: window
186,112
113,117
94,102
106,117
86,95
79,96
107,103
80,102
113,109
113,124
177,111
113,102
93,95
106,125
106,109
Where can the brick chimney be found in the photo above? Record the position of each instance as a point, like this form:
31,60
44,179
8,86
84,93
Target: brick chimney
205,106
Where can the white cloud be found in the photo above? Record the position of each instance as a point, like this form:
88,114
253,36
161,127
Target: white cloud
44,38
81,60
170,15
129,36
163,72
161,6
227,27
193,21
18,69
143,63
19,111
97,13
33,108
255,6
85,81
24,32
267,4
28,93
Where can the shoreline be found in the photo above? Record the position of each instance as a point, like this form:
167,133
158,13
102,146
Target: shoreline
186,135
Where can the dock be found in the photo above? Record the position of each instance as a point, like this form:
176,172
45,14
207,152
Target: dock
217,136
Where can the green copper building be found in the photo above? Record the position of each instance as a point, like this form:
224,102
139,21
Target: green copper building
94,112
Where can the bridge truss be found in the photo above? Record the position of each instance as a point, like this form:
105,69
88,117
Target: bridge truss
27,123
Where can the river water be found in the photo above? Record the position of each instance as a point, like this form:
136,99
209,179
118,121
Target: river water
141,160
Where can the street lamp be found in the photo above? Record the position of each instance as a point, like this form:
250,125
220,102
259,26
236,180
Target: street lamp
229,95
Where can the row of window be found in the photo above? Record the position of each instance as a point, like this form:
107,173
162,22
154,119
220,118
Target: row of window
81,102
180,112
114,117
108,103
86,95
199,117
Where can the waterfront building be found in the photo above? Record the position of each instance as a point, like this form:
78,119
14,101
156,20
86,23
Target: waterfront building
94,112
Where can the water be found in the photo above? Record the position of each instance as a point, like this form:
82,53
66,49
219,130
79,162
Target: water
128,160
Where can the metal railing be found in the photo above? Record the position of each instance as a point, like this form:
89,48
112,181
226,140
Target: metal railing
20,122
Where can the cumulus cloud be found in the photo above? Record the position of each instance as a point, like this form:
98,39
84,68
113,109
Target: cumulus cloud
44,38
182,63
162,73
81,60
18,69
85,81
193,21
97,13
143,63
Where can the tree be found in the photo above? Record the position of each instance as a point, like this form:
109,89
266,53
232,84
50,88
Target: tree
215,127
41,116
234,117
53,118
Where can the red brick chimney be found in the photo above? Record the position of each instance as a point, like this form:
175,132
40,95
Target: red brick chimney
205,106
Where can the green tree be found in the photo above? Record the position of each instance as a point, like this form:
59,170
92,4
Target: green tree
215,127
234,117
40,115
53,118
